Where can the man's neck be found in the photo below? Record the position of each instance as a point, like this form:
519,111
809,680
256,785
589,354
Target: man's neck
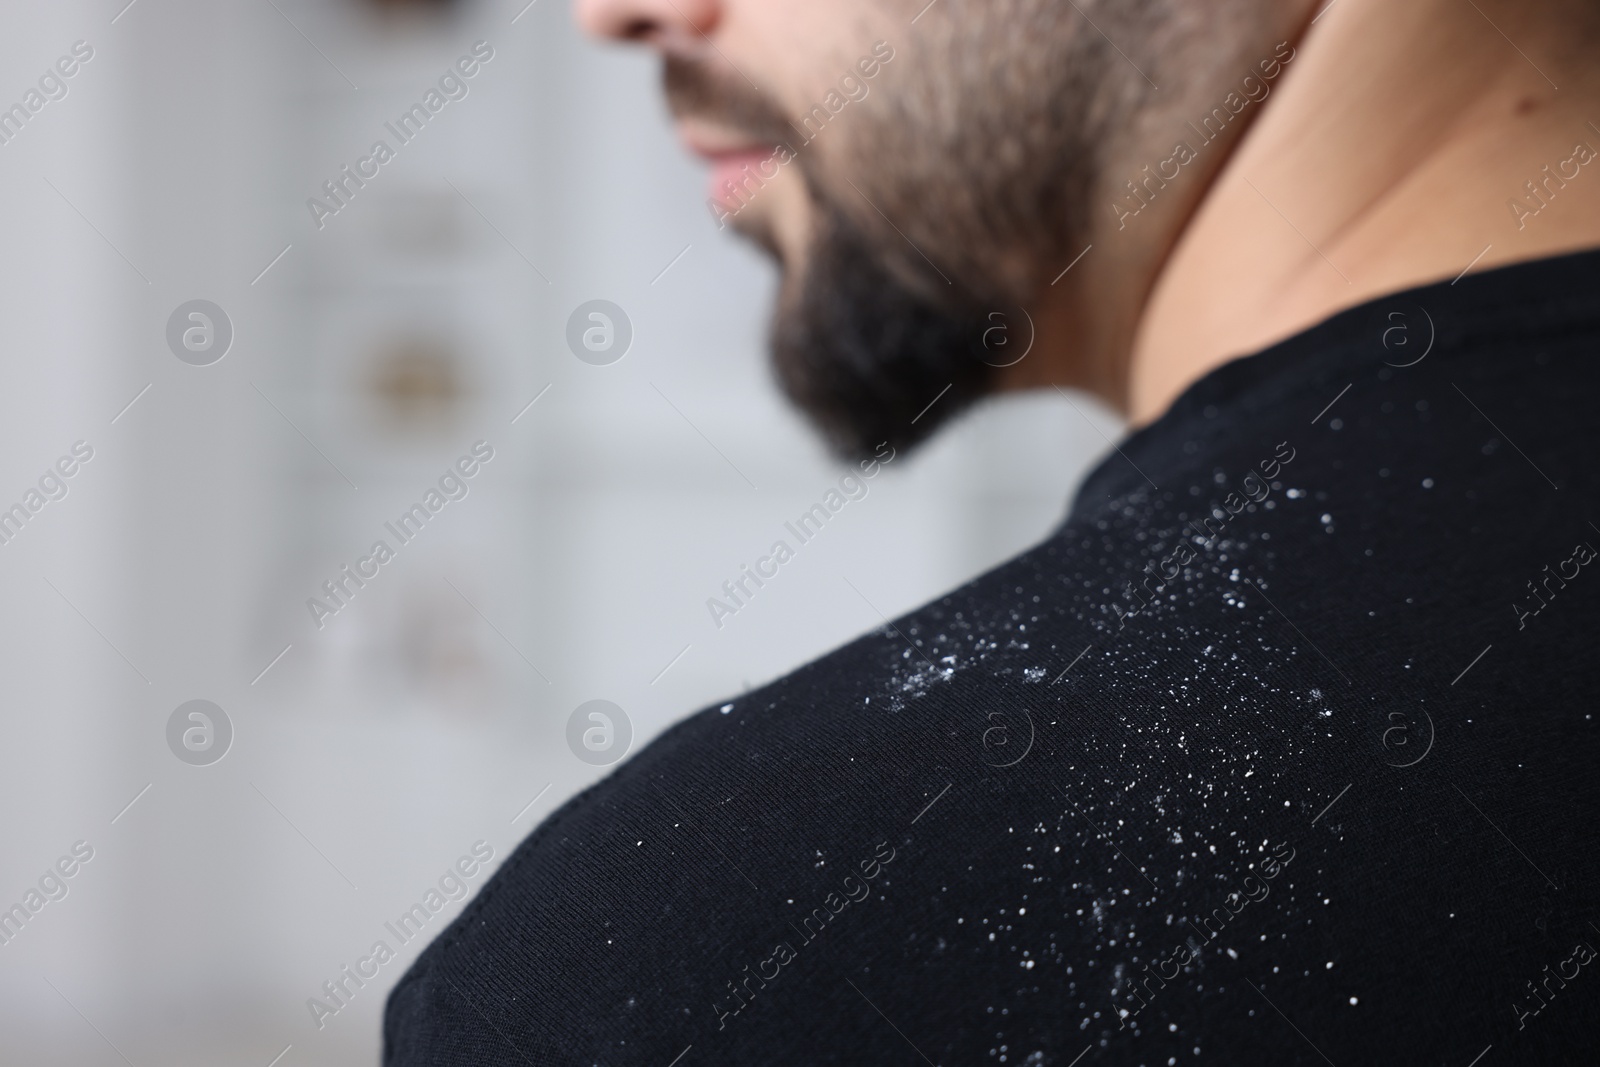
1391,154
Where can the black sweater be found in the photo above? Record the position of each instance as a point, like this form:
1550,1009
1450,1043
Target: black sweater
1280,750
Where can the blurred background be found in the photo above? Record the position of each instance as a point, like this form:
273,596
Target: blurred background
428,314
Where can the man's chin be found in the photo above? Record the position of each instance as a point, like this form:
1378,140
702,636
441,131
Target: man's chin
867,359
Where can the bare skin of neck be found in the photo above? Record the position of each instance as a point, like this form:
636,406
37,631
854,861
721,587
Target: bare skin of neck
1388,156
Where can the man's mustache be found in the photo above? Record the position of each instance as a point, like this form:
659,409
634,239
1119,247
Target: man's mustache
696,90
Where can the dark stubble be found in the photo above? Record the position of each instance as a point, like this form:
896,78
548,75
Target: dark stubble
969,168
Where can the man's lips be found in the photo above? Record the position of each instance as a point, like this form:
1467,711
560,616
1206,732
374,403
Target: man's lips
730,157
731,181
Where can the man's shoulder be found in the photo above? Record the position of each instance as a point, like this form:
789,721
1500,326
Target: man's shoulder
1276,642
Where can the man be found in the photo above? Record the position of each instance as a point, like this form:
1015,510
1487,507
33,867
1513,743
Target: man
1281,749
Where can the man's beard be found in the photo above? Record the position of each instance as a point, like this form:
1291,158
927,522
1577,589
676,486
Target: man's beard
867,358
969,180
